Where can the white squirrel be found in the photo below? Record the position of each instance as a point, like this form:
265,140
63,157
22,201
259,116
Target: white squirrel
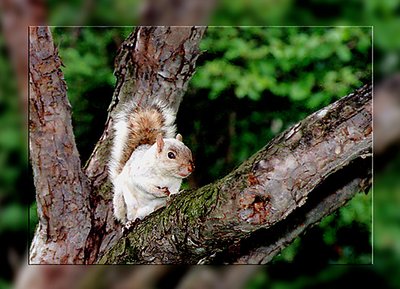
148,162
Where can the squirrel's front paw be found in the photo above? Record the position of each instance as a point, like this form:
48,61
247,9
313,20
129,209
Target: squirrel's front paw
129,225
164,190
171,198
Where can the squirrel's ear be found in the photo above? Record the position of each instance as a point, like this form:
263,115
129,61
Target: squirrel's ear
179,137
160,143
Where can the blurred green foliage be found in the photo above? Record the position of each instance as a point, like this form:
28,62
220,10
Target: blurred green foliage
386,246
101,12
311,65
254,82
387,219
344,237
252,128
257,81
382,15
16,190
88,56
12,142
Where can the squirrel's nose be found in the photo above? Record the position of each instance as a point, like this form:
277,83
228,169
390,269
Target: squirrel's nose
191,167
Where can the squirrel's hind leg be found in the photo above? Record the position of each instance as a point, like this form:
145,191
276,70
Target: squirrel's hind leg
119,206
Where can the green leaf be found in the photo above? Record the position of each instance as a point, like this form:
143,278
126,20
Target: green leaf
13,217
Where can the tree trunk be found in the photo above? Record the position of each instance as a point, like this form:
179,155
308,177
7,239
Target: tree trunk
247,217
153,62
61,186
325,157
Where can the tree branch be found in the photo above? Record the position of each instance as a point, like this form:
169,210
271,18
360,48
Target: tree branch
262,192
261,247
152,63
286,187
62,188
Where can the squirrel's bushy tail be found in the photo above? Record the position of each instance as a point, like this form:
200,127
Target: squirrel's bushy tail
135,126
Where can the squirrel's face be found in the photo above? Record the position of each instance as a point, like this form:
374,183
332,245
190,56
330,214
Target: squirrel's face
175,158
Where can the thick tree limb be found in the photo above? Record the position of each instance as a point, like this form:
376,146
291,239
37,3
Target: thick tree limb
198,226
332,195
153,63
62,188
262,192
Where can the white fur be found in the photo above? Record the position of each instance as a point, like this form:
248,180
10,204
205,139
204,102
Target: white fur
137,190
121,132
135,193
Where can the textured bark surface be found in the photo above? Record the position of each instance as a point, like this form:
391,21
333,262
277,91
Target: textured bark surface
261,247
246,217
153,62
200,224
76,219
62,188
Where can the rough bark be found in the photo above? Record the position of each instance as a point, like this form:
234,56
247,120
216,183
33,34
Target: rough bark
333,194
153,62
62,188
200,224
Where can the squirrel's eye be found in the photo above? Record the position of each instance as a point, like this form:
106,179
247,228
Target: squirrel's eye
171,155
